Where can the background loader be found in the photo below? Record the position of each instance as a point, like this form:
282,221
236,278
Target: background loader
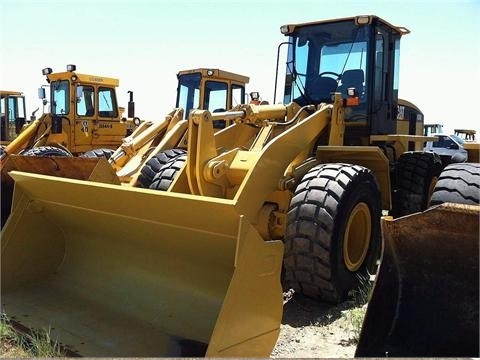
84,115
153,144
195,269
12,115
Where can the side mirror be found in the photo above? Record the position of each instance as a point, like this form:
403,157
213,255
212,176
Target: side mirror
453,146
131,105
41,93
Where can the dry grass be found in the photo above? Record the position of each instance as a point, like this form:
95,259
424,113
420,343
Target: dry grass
35,344
353,318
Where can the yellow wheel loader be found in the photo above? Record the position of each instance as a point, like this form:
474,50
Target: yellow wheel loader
196,269
12,115
153,144
84,115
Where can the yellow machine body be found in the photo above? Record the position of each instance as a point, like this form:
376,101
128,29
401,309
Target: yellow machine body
151,273
155,273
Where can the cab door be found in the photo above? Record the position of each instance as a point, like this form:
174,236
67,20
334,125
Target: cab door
85,117
109,130
385,81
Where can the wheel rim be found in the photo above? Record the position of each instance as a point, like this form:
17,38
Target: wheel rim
357,236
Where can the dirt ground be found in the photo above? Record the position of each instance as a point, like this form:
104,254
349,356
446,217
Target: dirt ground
309,329
314,330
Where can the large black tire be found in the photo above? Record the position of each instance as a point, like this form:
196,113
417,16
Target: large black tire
153,166
46,151
458,183
168,173
415,176
332,235
98,153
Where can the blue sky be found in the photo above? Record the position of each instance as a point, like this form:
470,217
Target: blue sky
145,43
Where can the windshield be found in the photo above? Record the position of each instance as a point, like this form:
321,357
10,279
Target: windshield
447,142
458,139
188,92
324,58
216,94
60,96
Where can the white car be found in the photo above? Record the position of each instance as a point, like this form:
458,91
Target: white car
448,147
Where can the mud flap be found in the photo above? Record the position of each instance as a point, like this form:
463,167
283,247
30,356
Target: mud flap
94,169
120,271
425,299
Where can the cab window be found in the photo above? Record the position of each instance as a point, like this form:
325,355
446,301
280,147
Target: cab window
215,96
107,103
86,103
443,142
238,94
188,93
60,95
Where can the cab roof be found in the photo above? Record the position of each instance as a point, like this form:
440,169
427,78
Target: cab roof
4,93
359,20
217,74
83,78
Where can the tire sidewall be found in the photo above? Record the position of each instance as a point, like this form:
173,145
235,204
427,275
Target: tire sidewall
412,187
46,151
98,153
458,183
317,219
366,192
168,173
155,165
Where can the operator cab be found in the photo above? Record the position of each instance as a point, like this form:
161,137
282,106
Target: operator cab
12,115
210,89
359,53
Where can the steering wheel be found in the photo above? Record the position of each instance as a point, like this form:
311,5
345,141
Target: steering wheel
338,76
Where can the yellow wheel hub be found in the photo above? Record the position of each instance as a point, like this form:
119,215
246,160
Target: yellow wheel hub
357,236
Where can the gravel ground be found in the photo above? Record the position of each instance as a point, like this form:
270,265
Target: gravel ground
312,329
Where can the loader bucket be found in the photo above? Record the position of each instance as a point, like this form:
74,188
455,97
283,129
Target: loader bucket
425,299
121,271
70,167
